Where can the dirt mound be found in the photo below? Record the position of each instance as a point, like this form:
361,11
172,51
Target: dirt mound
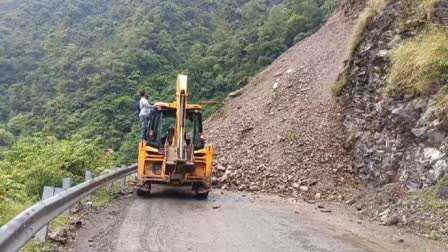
282,133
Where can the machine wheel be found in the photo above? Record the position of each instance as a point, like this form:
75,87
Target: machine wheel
202,196
144,190
200,192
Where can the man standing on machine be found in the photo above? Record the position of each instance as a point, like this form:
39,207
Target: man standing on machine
145,111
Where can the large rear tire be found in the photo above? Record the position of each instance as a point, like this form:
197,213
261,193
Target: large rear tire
201,193
202,196
144,190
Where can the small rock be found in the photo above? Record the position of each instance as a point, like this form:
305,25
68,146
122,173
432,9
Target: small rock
241,187
351,201
60,235
235,93
432,154
216,206
113,212
390,220
275,86
295,185
398,239
419,132
304,188
443,193
254,188
223,178
75,221
221,168
317,196
382,53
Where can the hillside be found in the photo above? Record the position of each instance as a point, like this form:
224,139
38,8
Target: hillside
74,67
70,71
283,132
393,92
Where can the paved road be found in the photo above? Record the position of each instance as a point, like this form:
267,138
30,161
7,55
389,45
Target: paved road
171,220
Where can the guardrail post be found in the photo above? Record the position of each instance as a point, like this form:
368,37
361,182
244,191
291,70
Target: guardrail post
111,187
87,177
123,185
66,184
42,234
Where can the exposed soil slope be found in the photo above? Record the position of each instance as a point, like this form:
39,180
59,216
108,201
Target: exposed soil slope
281,133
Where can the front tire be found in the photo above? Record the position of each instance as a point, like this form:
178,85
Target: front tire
202,196
201,193
144,190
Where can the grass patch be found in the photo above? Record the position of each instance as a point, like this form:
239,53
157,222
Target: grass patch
340,84
103,196
426,6
60,221
432,202
38,247
9,209
420,65
365,18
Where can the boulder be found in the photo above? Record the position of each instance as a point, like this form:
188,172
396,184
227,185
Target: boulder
432,154
443,193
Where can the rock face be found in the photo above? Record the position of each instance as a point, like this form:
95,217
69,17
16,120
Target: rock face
398,142
393,139
283,134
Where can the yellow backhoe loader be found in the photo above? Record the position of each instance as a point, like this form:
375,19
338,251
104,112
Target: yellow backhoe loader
175,152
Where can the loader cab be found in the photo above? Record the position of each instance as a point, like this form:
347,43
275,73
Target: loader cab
162,127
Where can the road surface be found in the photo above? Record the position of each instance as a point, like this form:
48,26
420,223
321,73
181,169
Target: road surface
172,220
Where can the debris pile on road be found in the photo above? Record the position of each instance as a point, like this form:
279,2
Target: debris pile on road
282,133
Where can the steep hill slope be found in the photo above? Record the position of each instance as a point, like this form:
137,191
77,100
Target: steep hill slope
394,92
282,132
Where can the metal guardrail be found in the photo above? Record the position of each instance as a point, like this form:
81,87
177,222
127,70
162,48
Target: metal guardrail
16,233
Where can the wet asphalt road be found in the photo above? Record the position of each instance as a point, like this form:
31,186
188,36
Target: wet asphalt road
172,220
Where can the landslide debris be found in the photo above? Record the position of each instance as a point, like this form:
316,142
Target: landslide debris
281,133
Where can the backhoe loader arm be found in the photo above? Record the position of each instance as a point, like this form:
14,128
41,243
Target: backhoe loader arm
181,103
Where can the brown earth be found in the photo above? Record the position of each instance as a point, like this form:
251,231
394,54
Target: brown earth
282,132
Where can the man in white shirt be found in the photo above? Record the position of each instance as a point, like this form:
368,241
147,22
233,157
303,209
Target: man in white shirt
145,112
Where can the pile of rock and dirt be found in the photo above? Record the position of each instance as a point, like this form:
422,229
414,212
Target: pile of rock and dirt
282,133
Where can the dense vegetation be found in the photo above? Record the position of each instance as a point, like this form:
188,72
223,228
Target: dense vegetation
34,162
74,66
70,71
